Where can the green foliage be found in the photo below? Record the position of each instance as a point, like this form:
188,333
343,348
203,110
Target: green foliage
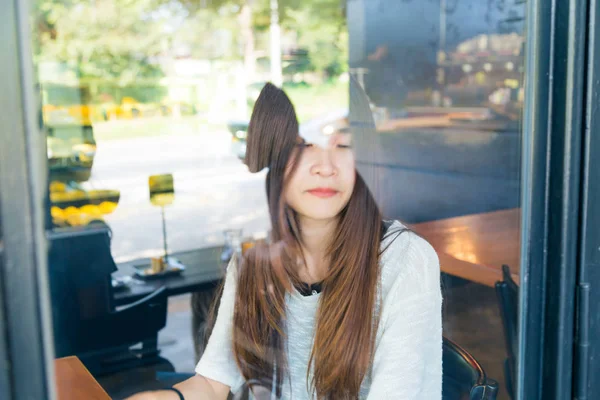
122,40
111,39
321,30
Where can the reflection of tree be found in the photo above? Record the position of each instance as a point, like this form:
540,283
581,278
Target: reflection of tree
122,39
320,28
103,38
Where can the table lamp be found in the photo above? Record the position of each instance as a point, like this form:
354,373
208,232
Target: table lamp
162,194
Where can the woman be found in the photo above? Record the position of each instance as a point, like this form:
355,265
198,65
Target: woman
356,298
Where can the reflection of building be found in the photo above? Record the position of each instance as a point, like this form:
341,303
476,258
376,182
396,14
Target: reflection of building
450,59
487,59
489,46
482,70
451,145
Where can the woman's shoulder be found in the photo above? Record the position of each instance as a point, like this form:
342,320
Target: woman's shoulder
408,262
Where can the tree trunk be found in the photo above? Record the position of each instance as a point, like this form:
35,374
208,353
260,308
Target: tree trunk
245,18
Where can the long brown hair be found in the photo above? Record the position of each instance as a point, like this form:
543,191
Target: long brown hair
346,322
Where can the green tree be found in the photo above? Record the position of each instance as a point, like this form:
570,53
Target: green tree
121,40
319,26
321,29
110,39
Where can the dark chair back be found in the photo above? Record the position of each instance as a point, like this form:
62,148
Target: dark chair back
507,292
79,268
85,322
463,376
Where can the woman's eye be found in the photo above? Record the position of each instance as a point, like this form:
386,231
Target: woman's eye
304,144
344,146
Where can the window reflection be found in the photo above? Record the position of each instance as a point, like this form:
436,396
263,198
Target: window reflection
430,91
445,85
444,82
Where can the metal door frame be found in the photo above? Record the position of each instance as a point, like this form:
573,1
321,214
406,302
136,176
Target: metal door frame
26,346
551,181
587,361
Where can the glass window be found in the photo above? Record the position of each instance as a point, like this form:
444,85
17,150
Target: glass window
157,179
445,83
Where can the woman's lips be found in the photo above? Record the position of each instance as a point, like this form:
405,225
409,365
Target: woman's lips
323,192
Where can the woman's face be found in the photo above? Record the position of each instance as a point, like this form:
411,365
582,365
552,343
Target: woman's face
323,181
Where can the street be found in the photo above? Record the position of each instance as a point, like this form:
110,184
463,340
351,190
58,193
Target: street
213,191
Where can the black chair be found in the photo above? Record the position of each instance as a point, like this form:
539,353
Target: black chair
463,376
86,323
507,292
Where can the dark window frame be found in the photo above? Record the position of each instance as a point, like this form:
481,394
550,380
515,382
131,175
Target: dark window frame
587,361
551,176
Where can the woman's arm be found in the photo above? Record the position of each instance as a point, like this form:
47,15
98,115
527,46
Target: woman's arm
194,388
408,359
216,373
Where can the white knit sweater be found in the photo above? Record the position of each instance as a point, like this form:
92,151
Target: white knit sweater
408,354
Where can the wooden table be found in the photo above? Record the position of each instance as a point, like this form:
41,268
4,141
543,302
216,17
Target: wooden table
474,247
74,381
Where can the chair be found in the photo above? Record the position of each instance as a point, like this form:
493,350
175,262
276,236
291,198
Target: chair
463,377
507,292
86,322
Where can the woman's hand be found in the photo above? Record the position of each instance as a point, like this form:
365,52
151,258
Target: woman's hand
194,388
157,395
144,396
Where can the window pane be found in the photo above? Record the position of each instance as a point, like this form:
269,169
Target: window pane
157,179
445,83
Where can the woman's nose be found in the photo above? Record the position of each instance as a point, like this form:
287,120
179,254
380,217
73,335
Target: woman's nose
323,163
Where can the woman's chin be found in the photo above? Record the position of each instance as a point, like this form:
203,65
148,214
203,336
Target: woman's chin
320,215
